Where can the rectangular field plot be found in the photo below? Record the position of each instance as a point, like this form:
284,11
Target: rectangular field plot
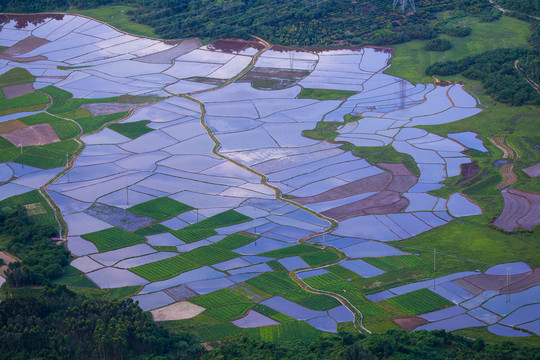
234,241
291,331
218,331
419,302
319,302
208,255
112,239
412,261
296,250
320,257
279,284
343,272
152,230
320,281
230,311
161,208
386,263
220,298
193,235
164,269
132,130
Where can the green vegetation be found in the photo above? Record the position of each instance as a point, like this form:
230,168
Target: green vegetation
437,45
152,230
63,128
193,235
387,263
384,154
161,208
49,155
16,76
112,239
418,302
208,255
132,130
164,269
411,59
41,259
34,101
323,94
227,218
234,241
219,298
36,207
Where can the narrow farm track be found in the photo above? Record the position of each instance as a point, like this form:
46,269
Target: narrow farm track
509,152
357,323
509,176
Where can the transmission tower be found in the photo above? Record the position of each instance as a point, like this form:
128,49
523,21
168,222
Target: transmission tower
403,4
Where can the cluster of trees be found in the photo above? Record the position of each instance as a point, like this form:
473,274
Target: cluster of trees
55,323
437,45
530,7
393,344
497,71
41,259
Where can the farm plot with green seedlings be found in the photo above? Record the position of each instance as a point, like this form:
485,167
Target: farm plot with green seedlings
165,269
161,208
132,130
418,302
112,239
211,254
234,241
36,207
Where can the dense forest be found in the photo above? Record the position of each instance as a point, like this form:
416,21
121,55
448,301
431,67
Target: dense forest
530,7
55,323
297,22
41,259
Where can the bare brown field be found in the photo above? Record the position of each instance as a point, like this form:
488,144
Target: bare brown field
13,91
32,135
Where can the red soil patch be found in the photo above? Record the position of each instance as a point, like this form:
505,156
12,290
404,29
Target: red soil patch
521,209
533,171
494,282
24,19
11,125
370,184
532,280
473,289
385,202
33,135
409,323
234,45
97,109
396,169
13,91
22,47
469,170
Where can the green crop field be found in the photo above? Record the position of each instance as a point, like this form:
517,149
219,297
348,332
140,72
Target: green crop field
16,76
418,302
65,129
164,269
320,281
387,263
291,331
411,59
279,283
152,230
219,331
49,155
412,261
343,272
234,241
93,123
112,239
323,94
295,250
227,218
319,302
276,266
56,93
161,208
208,255
229,312
193,235
36,119
219,298
320,257
30,102
132,130
37,208
5,144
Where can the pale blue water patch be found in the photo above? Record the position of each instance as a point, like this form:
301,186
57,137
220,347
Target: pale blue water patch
258,268
292,309
66,204
291,221
110,258
303,215
17,115
193,246
257,259
371,249
443,314
153,301
254,319
341,314
454,323
8,190
469,139
393,226
265,204
165,239
360,173
424,187
327,205
337,242
453,165
20,170
430,219
231,264
5,172
81,223
404,289
502,330
109,277
279,237
293,136
324,323
261,245
79,247
208,286
380,296
203,273
409,223
443,214
420,156
362,268
522,315
311,273
458,206
440,144
447,294
432,173
513,268
480,299
85,264
267,107
143,162
174,223
192,163
447,116
484,315
324,173
533,326
420,202
241,227
146,259
367,227
293,263
242,277
458,290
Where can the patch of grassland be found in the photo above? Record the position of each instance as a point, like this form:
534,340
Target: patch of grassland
418,302
320,281
193,235
56,93
164,269
343,272
37,208
482,333
234,241
387,263
208,255
320,257
161,208
324,94
5,143
219,298
112,239
279,283
117,16
30,102
291,331
16,76
107,294
230,312
227,218
73,277
152,230
132,130
411,59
